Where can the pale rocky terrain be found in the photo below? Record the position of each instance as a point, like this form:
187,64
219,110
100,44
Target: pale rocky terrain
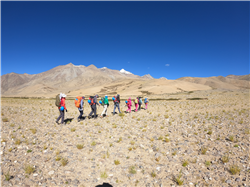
198,141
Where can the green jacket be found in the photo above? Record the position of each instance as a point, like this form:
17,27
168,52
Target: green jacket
106,101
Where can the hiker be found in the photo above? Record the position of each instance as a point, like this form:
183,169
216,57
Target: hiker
139,102
129,104
62,108
93,102
136,104
105,104
146,103
79,103
116,100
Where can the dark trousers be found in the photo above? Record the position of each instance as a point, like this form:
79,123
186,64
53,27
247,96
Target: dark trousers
61,116
81,113
93,108
139,107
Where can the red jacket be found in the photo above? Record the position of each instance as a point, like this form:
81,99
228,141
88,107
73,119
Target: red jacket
62,103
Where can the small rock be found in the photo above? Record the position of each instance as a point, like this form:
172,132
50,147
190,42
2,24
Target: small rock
228,181
51,172
237,179
35,175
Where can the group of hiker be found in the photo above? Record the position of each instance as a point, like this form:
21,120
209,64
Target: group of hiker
79,103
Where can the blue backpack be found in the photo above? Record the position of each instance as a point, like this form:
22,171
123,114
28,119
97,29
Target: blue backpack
146,100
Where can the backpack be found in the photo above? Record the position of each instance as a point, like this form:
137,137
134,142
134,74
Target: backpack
78,101
117,98
114,99
91,98
58,100
102,99
140,101
146,100
136,101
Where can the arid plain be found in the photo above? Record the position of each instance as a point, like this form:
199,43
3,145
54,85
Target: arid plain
197,138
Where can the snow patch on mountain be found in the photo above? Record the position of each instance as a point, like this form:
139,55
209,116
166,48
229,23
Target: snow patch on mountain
125,72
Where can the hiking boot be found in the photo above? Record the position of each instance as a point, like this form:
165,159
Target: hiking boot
78,120
89,117
57,122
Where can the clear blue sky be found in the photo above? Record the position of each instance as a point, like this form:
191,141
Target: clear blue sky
164,39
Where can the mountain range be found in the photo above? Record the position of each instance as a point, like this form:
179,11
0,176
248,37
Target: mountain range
89,80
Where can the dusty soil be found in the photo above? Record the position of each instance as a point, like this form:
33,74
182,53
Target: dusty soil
195,142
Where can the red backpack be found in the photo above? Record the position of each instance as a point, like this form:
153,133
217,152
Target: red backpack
91,98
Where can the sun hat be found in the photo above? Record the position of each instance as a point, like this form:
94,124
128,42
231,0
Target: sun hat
63,95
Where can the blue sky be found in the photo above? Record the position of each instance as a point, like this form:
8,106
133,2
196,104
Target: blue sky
163,39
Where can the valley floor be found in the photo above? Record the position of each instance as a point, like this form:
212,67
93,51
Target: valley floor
194,142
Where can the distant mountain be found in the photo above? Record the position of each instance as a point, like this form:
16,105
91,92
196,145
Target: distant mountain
163,78
147,76
230,82
88,80
239,77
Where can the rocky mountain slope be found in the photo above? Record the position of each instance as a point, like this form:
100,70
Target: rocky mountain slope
88,80
231,82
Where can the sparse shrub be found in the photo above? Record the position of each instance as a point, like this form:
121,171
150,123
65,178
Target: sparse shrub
132,142
166,116
64,161
247,131
231,138
236,145
130,148
29,169
132,170
167,140
79,146
203,150
104,175
185,163
207,163
58,158
153,174
7,176
209,132
5,119
120,139
29,151
158,159
33,131
12,125
160,138
225,158
93,143
73,129
18,142
174,153
57,152
121,114
117,162
234,169
178,179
